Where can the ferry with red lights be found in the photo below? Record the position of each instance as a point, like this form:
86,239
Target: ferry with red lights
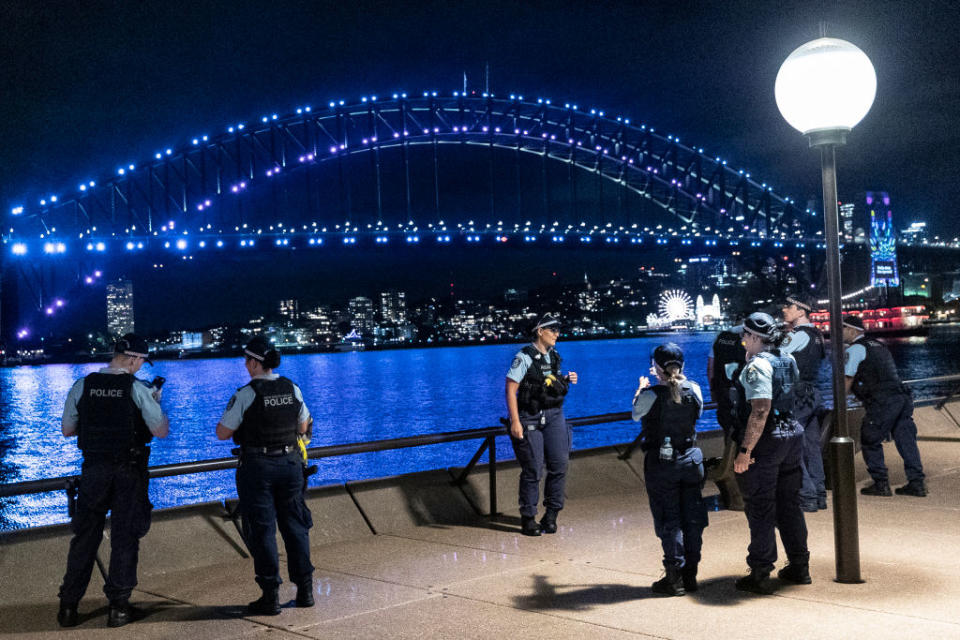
888,322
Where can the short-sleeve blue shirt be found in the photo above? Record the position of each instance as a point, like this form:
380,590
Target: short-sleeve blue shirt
521,362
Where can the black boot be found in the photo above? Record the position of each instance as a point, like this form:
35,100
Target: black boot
913,488
305,594
122,613
689,575
548,523
671,584
266,605
795,573
756,581
67,615
878,488
529,526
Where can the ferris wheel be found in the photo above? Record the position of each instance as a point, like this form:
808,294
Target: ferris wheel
675,305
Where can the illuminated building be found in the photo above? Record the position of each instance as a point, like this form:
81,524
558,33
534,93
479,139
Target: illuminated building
361,314
393,307
119,308
883,241
289,309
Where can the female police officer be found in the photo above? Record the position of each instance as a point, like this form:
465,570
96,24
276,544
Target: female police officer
264,417
538,431
769,460
673,467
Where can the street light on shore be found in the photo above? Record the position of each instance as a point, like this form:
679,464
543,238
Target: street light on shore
823,89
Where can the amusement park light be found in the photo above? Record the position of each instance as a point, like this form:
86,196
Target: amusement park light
823,89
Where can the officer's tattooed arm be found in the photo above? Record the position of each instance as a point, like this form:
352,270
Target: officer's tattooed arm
759,409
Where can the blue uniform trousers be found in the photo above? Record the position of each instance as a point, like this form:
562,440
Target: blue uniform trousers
271,489
890,416
120,487
771,494
546,446
679,513
807,413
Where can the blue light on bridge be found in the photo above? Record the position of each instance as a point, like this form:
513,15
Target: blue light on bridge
16,211
350,240
54,248
413,239
219,243
19,249
283,242
557,238
585,239
443,239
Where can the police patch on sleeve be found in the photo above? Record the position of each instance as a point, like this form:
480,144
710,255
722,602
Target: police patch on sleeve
233,401
846,357
516,362
752,375
786,340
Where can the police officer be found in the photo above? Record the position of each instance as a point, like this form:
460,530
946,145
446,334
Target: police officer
114,416
673,466
539,433
724,364
807,347
265,417
872,375
769,460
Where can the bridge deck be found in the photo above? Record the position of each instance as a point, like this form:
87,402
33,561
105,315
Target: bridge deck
435,569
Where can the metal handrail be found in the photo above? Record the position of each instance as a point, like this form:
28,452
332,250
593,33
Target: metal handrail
219,464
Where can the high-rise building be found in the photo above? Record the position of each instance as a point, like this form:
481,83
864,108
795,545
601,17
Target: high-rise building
119,308
361,314
393,307
289,309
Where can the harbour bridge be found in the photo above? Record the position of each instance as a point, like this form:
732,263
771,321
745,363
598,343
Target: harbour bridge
464,168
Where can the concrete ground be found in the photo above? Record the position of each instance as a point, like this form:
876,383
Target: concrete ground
436,568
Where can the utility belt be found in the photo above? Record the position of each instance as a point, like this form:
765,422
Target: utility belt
266,451
133,455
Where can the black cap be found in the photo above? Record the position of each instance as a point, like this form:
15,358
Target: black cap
801,300
854,322
133,345
547,320
258,348
667,354
760,324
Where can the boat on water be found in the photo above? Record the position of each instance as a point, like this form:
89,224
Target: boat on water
892,322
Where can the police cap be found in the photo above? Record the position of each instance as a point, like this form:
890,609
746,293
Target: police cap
258,348
760,324
854,322
133,345
547,320
667,354
801,301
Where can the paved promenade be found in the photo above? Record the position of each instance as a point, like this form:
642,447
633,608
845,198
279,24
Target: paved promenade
436,568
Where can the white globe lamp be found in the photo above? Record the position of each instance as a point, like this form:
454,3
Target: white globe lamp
824,88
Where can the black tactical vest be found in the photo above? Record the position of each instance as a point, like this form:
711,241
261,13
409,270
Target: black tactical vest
110,422
541,387
727,348
811,356
272,419
782,403
667,418
877,374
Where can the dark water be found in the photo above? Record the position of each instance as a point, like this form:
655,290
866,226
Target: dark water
357,397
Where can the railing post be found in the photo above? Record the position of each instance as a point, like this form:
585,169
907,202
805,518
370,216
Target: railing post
492,472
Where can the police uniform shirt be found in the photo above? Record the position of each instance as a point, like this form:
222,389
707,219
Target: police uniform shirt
798,339
757,379
521,362
643,401
853,356
245,396
142,398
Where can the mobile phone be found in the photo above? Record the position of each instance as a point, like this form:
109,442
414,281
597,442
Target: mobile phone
158,382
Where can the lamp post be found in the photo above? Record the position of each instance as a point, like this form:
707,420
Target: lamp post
823,89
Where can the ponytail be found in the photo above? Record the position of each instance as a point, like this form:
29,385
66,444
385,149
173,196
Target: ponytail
673,378
271,359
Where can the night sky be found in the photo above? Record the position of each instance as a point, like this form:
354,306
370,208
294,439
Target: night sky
86,86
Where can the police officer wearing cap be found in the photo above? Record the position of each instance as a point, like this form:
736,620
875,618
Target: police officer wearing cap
539,433
673,466
727,358
264,418
806,345
770,457
872,376
114,416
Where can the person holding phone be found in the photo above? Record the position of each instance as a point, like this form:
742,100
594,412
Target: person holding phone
539,433
114,416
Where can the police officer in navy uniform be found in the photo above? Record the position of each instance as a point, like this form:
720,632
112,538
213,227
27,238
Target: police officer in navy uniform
114,416
807,347
727,358
673,467
539,433
264,418
872,376
770,458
